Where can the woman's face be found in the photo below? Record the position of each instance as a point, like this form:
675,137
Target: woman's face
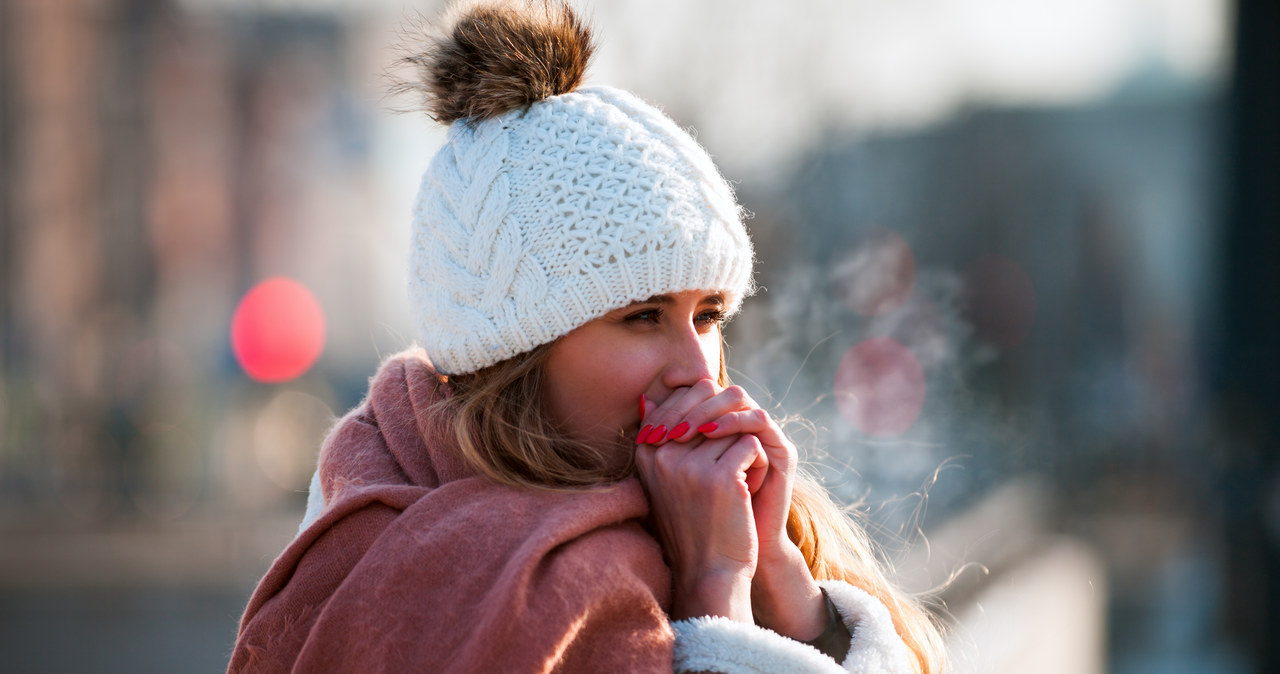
595,375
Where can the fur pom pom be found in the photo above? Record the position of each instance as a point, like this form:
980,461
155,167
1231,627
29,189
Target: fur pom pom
487,57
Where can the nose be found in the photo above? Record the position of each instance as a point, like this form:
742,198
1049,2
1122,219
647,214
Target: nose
691,357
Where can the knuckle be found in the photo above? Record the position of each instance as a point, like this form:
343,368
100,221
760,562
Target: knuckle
696,412
704,387
701,474
737,393
663,461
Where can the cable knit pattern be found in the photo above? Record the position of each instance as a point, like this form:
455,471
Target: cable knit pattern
534,222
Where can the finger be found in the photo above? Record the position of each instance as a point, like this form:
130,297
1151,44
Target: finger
697,461
699,451
703,416
758,471
644,459
742,456
646,468
646,408
754,421
780,453
653,430
670,414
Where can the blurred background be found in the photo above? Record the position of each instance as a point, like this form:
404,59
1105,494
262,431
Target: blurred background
1018,260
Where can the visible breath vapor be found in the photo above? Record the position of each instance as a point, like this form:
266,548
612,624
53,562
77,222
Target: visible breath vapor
793,344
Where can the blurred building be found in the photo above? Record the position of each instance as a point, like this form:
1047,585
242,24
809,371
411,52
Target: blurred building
162,163
158,162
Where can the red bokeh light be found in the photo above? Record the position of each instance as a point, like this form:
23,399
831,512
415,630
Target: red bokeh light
278,330
880,387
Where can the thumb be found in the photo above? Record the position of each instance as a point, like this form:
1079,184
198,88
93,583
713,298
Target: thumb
646,408
757,471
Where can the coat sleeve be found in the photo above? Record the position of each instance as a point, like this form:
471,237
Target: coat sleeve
722,645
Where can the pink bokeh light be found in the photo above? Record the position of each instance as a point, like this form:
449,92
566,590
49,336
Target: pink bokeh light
879,387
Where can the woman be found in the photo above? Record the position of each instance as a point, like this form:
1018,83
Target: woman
563,478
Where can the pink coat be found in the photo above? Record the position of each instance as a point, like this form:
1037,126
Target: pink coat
419,564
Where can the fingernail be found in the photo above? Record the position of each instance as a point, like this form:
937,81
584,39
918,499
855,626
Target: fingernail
656,435
678,430
640,436
707,428
641,407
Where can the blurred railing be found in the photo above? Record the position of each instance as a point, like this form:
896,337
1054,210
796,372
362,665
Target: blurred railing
1019,597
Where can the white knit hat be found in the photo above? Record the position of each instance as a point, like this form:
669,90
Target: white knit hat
535,220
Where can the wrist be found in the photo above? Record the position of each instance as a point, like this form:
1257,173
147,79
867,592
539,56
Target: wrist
785,597
718,592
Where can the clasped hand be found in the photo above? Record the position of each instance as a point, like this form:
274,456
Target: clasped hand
719,474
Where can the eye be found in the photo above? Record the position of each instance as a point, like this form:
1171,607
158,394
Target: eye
710,317
646,315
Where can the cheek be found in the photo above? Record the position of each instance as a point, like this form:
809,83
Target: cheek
612,390
594,392
711,353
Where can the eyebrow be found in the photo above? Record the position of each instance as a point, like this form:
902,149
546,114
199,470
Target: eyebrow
713,298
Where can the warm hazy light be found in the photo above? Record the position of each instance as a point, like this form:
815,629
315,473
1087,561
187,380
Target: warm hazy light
880,387
286,436
277,331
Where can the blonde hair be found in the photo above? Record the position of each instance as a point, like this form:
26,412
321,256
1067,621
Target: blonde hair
502,428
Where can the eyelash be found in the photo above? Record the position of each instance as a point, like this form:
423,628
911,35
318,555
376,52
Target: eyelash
714,316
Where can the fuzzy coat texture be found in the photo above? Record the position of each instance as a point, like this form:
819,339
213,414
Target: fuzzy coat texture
417,564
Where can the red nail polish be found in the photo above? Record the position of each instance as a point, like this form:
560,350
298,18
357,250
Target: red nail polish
641,407
656,435
640,436
678,430
707,428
